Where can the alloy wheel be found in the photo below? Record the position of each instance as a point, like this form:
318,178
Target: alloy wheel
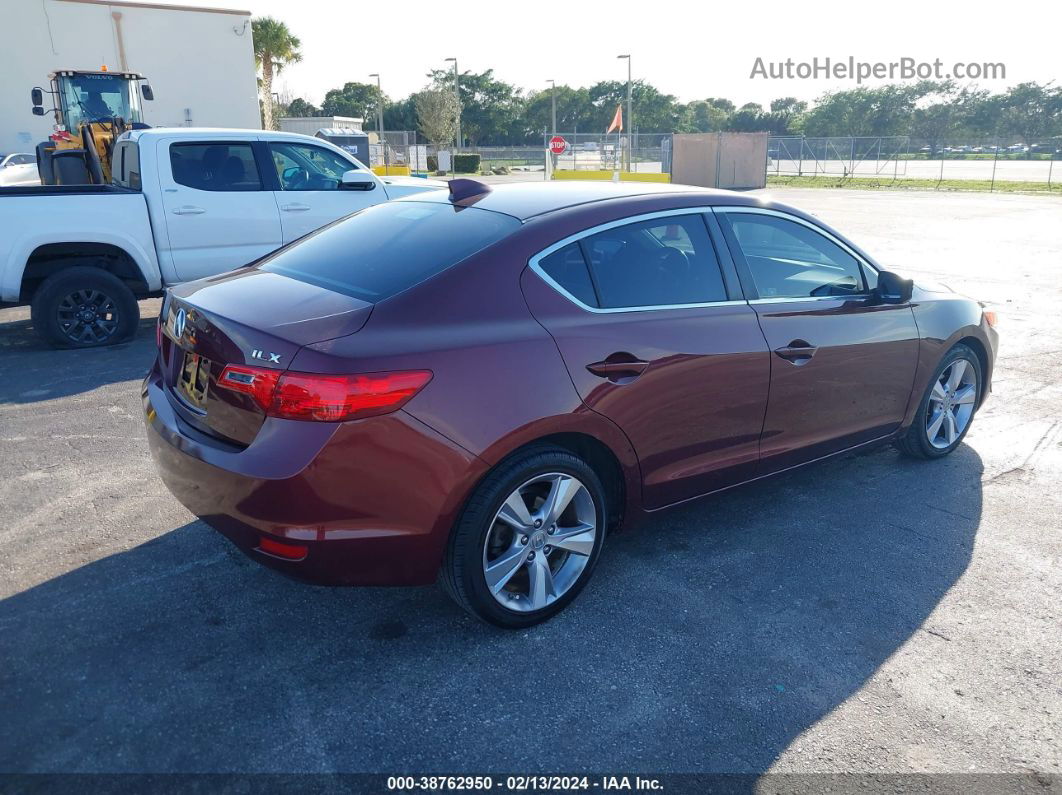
951,403
88,316
540,542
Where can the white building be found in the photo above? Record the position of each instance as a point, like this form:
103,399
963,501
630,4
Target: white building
199,61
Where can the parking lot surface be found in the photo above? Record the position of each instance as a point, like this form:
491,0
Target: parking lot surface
870,614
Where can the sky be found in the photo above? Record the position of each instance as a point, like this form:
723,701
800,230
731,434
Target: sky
693,50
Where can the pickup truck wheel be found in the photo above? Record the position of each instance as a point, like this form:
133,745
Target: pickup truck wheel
84,307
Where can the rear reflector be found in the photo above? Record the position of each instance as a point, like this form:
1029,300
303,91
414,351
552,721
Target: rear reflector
324,398
287,551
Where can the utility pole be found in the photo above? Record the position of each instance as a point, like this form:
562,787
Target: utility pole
553,104
457,96
379,107
379,119
630,110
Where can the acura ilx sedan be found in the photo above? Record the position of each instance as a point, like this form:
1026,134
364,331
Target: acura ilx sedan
478,386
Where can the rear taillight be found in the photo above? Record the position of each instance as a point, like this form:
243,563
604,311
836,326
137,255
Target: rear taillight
325,398
258,382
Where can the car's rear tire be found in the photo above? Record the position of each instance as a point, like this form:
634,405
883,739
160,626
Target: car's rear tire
84,307
511,560
947,408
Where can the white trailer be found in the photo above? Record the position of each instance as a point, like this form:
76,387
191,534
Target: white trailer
199,61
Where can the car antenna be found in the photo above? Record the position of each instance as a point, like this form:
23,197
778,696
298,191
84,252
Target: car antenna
461,189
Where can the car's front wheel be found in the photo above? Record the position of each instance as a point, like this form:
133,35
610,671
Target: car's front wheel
528,539
947,408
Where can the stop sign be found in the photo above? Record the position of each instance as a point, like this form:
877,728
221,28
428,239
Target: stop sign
557,145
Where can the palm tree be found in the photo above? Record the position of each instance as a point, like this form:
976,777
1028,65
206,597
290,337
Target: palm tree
274,48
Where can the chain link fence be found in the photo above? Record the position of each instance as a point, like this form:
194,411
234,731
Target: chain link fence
897,158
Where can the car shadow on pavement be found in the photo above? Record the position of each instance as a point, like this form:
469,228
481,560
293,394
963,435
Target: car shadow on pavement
33,371
710,638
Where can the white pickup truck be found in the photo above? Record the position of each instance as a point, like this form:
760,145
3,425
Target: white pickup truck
184,204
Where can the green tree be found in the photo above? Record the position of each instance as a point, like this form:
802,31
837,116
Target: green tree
575,113
748,118
654,111
358,100
400,115
885,110
1031,111
300,107
274,48
702,116
787,115
436,115
491,110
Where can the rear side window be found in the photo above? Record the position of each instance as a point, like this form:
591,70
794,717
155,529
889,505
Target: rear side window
662,262
568,269
126,165
215,166
790,260
385,249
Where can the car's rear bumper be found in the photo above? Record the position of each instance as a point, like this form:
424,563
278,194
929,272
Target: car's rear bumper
371,501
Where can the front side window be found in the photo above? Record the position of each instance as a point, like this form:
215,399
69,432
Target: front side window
660,262
790,260
215,166
306,167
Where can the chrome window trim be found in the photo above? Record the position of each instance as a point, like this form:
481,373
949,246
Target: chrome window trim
731,208
796,299
533,263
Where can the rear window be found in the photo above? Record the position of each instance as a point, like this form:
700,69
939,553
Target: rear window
387,248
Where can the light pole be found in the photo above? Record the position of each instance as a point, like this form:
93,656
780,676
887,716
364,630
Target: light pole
630,111
379,106
457,96
379,117
553,103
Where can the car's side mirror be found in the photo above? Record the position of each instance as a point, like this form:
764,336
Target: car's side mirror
146,92
356,179
893,289
38,110
38,98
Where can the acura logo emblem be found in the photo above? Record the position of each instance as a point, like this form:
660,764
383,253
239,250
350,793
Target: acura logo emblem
178,323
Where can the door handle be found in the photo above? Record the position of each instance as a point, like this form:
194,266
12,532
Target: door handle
188,209
797,352
618,370
294,208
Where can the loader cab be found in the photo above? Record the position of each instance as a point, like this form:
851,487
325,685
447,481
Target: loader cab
97,96
91,108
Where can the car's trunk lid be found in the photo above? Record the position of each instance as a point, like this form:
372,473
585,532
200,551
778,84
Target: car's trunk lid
250,317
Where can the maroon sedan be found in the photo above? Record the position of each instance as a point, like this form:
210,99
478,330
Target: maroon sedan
478,385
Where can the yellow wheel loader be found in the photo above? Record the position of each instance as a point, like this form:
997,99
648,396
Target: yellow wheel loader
91,110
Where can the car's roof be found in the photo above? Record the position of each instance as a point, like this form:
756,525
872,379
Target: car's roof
215,132
526,200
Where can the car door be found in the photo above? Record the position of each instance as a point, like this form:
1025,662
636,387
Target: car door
21,169
219,213
843,362
308,188
651,324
